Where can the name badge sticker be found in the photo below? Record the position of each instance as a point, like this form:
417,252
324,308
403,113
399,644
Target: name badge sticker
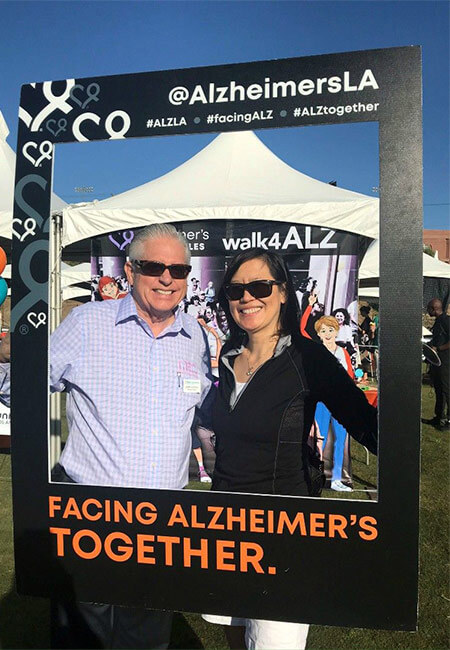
191,386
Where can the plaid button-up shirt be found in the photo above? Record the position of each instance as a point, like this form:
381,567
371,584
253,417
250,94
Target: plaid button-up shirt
131,396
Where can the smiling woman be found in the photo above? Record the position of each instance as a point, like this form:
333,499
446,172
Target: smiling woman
255,300
271,379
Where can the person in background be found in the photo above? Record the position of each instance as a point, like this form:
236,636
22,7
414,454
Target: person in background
157,375
210,318
214,343
271,379
193,289
201,438
440,375
366,327
366,341
345,334
5,355
304,288
210,293
376,330
194,307
203,475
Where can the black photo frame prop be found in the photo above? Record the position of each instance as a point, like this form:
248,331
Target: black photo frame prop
366,577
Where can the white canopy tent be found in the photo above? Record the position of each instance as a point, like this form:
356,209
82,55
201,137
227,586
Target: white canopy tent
370,266
77,274
235,176
7,172
70,275
74,280
75,293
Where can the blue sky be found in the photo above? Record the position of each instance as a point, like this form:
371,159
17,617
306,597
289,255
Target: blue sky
54,40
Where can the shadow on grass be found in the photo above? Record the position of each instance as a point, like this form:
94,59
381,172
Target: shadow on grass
30,622
364,482
183,635
24,621
33,622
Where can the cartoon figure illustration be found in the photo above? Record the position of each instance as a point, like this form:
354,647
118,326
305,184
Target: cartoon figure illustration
327,328
109,289
311,314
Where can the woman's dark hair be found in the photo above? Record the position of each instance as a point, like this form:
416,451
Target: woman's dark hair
344,312
289,313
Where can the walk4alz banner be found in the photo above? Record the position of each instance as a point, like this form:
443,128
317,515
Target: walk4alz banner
322,261
258,556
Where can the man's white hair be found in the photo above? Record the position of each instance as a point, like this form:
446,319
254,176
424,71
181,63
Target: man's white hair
156,231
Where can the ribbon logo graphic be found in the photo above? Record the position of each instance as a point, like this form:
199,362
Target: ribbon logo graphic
92,92
35,219
61,124
45,149
128,236
37,319
37,291
122,116
29,226
54,102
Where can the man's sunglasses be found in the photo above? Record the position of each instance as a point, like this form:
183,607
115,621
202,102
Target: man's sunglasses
156,269
257,288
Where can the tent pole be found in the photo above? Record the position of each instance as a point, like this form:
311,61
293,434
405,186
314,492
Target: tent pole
55,319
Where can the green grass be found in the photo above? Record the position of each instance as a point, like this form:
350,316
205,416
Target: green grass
24,621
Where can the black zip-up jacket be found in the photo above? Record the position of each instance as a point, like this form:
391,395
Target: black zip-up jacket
261,437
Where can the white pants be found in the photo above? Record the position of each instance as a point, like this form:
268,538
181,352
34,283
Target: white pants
266,635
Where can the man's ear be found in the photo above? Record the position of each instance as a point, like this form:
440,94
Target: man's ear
128,268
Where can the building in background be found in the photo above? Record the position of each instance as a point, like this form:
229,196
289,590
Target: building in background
439,242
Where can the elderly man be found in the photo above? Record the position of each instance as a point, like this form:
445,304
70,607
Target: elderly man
135,371
440,375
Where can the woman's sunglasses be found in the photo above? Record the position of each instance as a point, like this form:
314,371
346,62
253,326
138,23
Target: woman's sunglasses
257,288
156,269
